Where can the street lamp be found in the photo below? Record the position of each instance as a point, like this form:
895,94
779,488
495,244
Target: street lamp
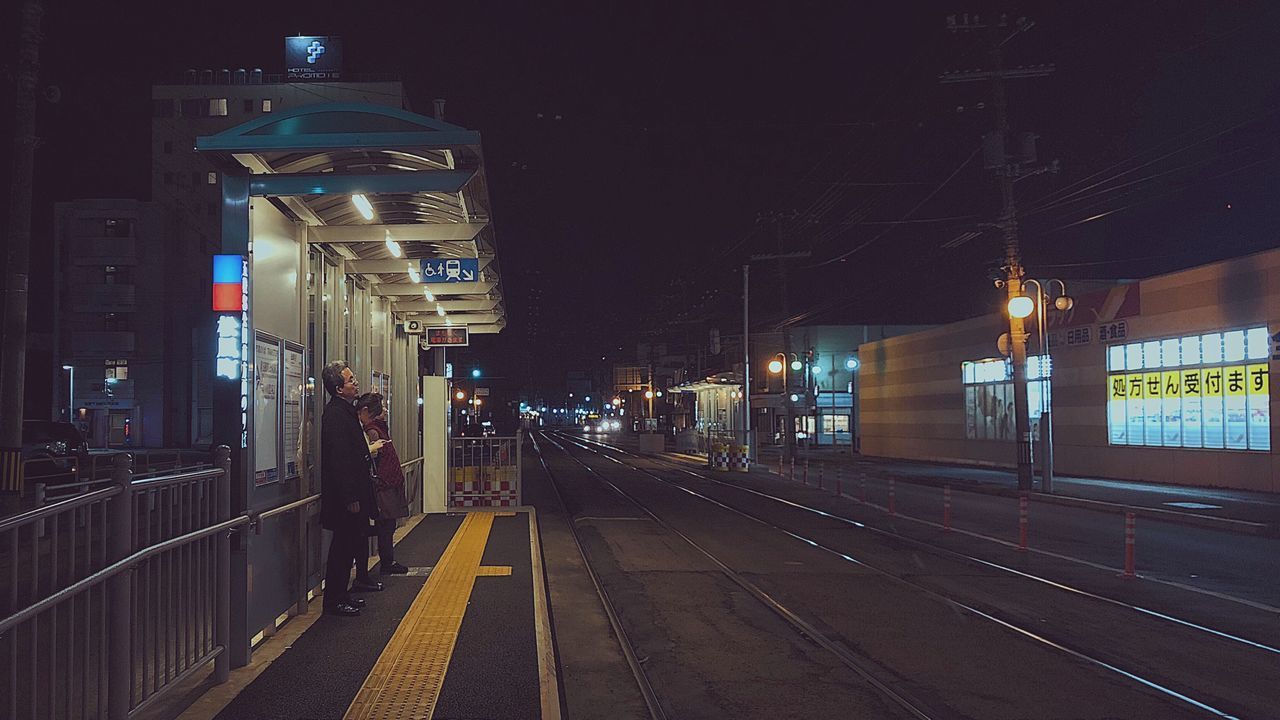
1063,303
1021,306
71,393
775,365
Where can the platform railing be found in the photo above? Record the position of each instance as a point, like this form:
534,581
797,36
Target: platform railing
485,471
116,595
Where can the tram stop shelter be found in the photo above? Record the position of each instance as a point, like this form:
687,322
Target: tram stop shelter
338,224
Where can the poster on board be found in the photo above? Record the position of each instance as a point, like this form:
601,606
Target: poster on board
266,410
294,391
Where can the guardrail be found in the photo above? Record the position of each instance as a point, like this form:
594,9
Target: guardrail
485,471
54,478
117,594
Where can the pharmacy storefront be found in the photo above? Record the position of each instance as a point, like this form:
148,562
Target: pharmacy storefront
1166,379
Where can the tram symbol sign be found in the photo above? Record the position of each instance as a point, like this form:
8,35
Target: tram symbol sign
450,270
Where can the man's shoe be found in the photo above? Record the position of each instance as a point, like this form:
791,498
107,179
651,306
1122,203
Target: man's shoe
356,602
342,608
367,587
395,568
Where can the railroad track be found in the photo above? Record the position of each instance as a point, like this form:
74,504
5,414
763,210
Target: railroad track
873,676
1168,682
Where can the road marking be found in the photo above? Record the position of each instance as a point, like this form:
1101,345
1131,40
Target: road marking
408,675
1194,505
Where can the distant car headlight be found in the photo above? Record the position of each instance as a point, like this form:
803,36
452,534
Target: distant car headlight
616,425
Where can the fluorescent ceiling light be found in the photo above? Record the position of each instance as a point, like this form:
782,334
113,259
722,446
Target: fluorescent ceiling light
439,309
362,204
430,297
414,275
394,246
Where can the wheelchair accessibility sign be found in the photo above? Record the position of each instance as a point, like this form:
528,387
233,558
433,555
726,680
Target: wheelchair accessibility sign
450,270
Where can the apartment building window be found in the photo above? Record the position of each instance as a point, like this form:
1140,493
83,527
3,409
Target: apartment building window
248,105
168,147
117,227
266,105
117,370
162,108
117,322
117,275
211,178
194,107
217,107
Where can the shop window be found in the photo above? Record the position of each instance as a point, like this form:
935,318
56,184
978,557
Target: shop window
1200,391
988,397
832,424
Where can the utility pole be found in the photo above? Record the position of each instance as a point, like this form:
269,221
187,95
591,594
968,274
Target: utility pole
13,339
789,431
747,440
1009,168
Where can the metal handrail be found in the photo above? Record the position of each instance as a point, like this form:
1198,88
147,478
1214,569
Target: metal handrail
150,483
259,517
53,508
116,568
407,463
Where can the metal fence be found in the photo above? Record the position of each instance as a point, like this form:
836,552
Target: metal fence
485,472
55,478
116,594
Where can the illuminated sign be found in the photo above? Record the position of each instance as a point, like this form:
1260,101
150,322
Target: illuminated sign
450,270
228,283
313,57
446,337
1199,391
228,355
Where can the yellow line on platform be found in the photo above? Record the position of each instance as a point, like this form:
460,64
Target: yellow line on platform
405,682
493,571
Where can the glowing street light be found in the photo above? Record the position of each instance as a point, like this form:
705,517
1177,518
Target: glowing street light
648,394
475,372
816,370
775,365
851,364
1021,306
460,395
796,364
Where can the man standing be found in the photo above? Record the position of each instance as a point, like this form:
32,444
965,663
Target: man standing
346,490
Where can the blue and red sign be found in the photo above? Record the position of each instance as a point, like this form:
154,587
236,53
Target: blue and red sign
228,283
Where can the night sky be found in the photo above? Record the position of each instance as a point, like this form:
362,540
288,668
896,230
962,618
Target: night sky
639,152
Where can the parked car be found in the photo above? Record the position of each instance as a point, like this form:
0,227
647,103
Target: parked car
59,443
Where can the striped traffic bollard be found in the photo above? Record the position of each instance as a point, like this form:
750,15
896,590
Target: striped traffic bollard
1022,522
1130,532
946,508
893,507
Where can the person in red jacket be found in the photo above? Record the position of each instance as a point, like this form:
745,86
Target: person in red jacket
389,492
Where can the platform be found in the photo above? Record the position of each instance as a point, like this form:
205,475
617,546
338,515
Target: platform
465,634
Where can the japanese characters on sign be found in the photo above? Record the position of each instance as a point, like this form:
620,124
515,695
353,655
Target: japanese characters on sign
1198,391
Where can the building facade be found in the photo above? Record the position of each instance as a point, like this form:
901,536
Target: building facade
1165,379
152,264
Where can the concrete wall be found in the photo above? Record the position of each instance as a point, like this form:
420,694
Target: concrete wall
912,399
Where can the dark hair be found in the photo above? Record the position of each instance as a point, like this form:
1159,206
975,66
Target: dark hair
331,375
371,402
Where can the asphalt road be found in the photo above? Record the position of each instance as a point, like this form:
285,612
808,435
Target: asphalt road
960,623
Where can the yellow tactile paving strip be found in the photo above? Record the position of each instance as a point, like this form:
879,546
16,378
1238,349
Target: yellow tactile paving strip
405,681
493,570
